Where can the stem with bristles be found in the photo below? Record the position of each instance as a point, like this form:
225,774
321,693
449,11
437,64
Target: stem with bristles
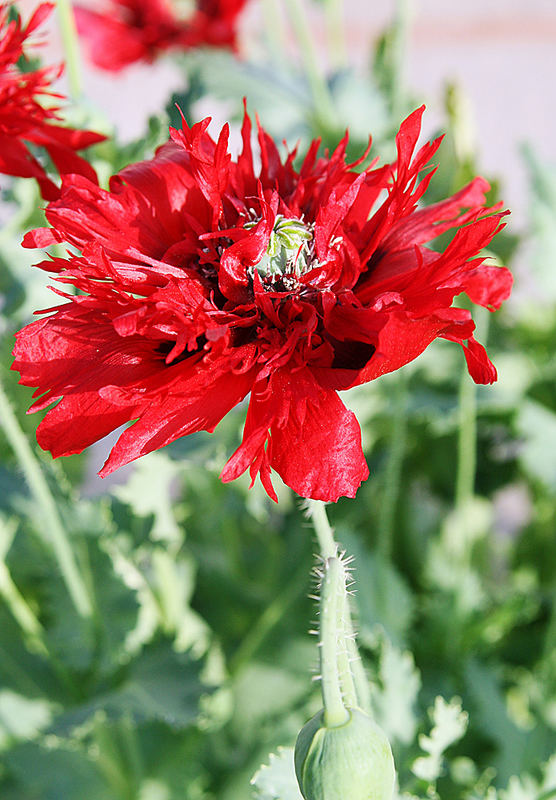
339,657
333,585
344,667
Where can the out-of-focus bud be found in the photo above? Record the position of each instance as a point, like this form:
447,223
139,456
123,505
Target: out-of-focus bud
352,761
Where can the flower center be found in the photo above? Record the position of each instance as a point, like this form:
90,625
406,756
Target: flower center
289,253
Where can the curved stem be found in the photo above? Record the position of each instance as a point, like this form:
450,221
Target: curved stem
275,29
132,751
467,430
401,28
393,470
324,105
109,760
20,609
11,595
548,794
270,617
335,713
335,28
467,440
55,532
550,636
71,46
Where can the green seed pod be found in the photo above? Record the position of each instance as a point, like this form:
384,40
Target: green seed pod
352,761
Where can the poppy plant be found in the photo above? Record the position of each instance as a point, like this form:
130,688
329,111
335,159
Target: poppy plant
24,119
139,30
202,279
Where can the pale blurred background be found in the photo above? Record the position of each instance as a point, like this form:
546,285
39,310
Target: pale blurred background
501,52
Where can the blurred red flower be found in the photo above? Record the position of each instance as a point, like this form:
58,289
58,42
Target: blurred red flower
25,120
202,279
137,30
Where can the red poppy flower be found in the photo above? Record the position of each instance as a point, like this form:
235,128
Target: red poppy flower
24,120
202,279
137,30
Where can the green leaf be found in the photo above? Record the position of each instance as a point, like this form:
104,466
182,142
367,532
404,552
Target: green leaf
24,672
172,582
520,788
22,717
62,772
525,787
282,99
11,291
449,725
149,491
449,564
548,785
263,691
158,685
394,699
537,425
81,644
357,99
517,747
276,780
173,763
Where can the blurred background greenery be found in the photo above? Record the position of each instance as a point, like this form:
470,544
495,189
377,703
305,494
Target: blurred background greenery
194,663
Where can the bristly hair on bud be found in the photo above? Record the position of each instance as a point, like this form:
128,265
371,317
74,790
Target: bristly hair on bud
338,654
341,752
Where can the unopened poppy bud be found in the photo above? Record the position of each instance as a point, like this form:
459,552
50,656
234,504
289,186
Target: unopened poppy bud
352,761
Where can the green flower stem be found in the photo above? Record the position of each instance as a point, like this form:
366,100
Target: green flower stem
547,795
13,598
55,533
270,617
550,637
393,470
324,105
335,29
467,426
19,677
23,614
333,586
275,29
343,626
109,760
400,39
467,441
132,752
20,609
325,536
349,670
71,46
464,132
